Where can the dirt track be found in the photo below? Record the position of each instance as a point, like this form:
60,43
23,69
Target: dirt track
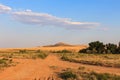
29,69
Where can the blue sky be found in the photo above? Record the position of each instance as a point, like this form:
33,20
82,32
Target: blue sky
29,23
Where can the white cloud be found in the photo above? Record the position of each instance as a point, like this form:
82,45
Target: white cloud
44,19
4,9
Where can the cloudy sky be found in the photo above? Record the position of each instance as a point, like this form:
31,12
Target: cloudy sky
29,23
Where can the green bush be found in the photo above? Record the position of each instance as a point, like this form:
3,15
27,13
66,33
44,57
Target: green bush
96,76
22,51
42,55
5,62
83,51
65,58
39,51
104,76
68,75
63,51
2,61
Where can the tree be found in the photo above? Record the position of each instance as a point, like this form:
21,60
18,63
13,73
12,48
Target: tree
118,49
119,44
112,48
97,47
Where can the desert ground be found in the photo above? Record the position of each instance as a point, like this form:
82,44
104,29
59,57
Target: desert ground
29,66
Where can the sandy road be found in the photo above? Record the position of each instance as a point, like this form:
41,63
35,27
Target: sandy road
27,69
38,69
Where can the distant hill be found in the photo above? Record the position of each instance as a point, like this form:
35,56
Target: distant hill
59,44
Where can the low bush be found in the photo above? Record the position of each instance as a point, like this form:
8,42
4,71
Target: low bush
22,51
82,74
107,60
68,75
105,76
5,62
2,61
65,58
42,55
63,51
39,51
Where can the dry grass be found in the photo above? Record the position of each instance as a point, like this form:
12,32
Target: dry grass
50,63
6,62
82,74
107,60
71,48
43,69
25,54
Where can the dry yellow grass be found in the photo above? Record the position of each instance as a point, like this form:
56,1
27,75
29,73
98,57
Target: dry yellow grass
106,60
31,68
71,48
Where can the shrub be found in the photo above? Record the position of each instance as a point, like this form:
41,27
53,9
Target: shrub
22,51
2,61
42,55
39,51
97,76
111,48
63,51
105,76
68,75
83,51
65,58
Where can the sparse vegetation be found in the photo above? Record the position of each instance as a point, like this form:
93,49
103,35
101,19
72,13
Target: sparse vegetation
97,76
79,74
42,55
26,54
107,60
22,51
63,51
68,75
39,51
5,62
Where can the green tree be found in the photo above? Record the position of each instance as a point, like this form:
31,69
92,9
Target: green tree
118,49
97,47
112,48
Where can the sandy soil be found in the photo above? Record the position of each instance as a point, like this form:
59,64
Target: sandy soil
38,69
